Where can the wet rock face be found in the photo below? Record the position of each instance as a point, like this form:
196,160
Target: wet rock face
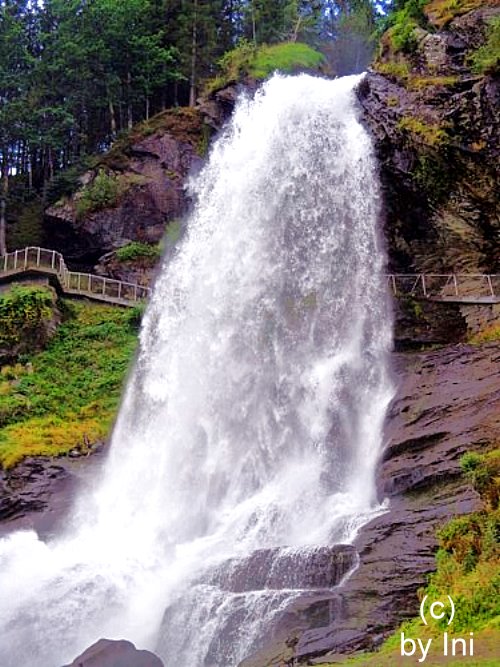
447,402
436,129
275,569
108,653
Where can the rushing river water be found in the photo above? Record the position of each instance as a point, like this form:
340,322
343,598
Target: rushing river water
253,418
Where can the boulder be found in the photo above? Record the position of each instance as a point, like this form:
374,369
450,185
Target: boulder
111,653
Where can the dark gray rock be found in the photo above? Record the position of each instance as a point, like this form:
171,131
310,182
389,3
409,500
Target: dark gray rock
110,653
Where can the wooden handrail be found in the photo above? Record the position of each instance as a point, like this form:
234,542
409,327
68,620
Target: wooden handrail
52,262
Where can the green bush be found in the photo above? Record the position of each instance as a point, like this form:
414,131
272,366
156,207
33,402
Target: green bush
486,60
402,24
103,192
483,472
24,313
136,250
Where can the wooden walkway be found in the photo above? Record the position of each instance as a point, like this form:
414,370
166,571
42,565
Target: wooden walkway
467,288
464,288
33,260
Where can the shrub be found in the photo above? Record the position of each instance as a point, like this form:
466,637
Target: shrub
103,192
24,314
483,472
402,23
136,250
486,60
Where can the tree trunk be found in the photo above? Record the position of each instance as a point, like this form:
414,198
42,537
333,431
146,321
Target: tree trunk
194,49
112,117
130,119
3,202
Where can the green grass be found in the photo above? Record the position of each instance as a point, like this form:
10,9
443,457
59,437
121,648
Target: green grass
67,395
102,192
136,250
260,62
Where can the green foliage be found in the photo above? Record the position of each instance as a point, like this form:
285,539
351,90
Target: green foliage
259,62
67,395
103,192
486,60
432,174
65,183
402,24
24,313
135,250
483,472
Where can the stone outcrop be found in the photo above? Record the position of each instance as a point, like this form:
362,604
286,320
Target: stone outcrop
112,653
436,126
141,191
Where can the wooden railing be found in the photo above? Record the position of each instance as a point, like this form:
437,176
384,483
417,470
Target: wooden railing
462,287
50,262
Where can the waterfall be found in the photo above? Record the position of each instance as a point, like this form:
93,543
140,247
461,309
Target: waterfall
251,425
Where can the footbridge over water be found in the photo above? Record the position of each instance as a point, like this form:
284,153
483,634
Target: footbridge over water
34,261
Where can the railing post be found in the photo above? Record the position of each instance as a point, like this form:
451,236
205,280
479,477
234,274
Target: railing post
104,286
53,262
424,289
120,290
394,288
38,252
488,278
90,283
15,260
135,292
25,258
455,283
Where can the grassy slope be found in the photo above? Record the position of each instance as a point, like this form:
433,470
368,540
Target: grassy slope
67,395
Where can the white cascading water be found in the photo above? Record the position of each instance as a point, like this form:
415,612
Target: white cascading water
254,415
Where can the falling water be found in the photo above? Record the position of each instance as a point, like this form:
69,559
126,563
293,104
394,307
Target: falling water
252,421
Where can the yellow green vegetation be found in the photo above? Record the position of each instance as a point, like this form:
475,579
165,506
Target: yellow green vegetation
259,62
67,395
468,569
398,70
136,250
428,133
25,312
487,335
422,82
441,12
486,60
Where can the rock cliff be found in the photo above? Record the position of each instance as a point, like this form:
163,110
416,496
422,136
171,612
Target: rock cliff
433,109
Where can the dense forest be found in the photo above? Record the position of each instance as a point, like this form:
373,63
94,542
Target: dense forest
76,73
